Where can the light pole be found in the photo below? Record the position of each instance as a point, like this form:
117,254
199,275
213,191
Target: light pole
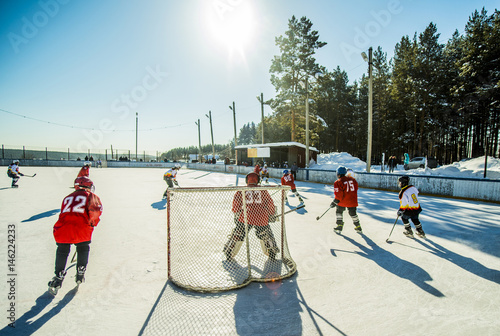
307,115
136,133
370,107
233,108
209,116
307,122
199,140
261,100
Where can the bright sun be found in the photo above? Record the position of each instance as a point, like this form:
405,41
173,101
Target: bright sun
232,24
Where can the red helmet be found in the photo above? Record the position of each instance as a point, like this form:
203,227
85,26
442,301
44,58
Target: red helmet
252,178
83,182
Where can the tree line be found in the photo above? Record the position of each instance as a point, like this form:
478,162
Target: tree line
431,98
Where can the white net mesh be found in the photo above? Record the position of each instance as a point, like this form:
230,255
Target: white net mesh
219,240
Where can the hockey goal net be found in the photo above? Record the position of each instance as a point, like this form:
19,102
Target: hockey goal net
224,238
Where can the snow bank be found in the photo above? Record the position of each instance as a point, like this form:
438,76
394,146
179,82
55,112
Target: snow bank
471,168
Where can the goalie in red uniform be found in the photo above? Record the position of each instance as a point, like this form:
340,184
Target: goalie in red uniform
80,213
346,196
260,210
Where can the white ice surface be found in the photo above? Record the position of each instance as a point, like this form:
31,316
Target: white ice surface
345,285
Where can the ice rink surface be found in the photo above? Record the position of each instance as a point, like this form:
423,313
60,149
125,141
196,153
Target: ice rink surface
345,285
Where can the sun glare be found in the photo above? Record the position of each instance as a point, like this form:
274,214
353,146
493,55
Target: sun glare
232,26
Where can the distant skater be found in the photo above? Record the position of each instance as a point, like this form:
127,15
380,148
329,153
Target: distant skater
287,179
170,178
409,207
85,171
14,173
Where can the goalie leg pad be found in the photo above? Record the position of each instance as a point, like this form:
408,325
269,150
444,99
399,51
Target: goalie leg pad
233,245
267,241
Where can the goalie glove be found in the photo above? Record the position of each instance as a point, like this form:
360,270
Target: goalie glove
273,218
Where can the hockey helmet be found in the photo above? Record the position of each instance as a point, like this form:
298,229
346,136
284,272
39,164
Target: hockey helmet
252,178
285,172
404,181
83,182
177,166
341,171
87,163
15,162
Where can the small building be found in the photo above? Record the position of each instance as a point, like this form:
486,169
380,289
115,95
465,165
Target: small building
279,152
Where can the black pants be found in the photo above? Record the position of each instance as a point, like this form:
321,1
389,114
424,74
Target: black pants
82,251
352,212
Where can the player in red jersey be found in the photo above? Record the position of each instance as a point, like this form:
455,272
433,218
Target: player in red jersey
257,169
346,196
287,179
260,209
80,213
85,171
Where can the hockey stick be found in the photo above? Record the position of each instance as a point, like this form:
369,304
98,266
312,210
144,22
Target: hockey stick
30,175
294,209
318,218
73,259
387,240
273,218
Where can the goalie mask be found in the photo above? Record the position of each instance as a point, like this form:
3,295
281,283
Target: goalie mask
252,178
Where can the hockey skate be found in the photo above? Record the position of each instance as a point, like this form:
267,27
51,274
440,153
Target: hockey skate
408,233
56,283
358,229
301,200
420,233
80,275
338,229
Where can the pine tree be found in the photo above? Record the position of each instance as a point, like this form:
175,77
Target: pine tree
292,67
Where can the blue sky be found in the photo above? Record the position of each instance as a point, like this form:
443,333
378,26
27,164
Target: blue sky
83,69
